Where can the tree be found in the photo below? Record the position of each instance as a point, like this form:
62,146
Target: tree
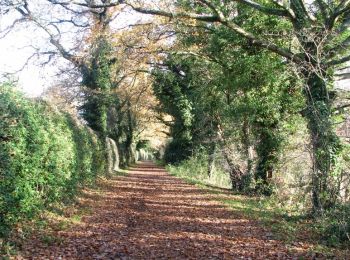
92,53
241,96
172,86
317,40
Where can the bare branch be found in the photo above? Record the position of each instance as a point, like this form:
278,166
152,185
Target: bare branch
59,21
27,15
8,29
32,56
66,6
89,4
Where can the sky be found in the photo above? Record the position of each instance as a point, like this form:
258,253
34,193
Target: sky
14,54
16,48
33,78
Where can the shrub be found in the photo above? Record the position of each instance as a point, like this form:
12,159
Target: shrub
177,150
195,169
45,156
335,225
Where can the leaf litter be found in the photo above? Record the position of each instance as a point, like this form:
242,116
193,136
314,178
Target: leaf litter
149,214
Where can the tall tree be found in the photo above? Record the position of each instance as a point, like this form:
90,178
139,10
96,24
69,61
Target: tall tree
90,52
172,86
318,41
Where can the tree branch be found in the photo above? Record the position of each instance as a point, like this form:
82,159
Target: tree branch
308,14
267,10
204,18
8,29
59,21
342,8
323,8
342,76
339,61
89,4
285,7
220,18
344,45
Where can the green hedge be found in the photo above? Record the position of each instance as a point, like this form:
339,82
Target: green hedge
45,156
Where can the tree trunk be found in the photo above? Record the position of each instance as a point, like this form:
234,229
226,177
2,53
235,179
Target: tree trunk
248,150
236,175
211,158
130,157
267,153
113,156
324,141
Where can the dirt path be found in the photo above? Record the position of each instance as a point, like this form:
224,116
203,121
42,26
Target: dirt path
151,215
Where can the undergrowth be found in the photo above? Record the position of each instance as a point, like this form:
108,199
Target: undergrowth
195,170
327,233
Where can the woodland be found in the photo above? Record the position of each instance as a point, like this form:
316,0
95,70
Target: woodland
236,96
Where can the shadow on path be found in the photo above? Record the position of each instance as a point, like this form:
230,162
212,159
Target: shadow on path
152,215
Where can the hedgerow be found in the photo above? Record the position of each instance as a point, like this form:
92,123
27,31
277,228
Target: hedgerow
45,157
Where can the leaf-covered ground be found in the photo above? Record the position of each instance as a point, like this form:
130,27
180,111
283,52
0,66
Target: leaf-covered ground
149,214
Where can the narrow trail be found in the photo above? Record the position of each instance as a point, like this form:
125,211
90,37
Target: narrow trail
152,215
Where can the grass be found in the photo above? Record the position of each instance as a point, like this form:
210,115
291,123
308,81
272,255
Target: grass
194,170
286,225
283,226
290,227
121,172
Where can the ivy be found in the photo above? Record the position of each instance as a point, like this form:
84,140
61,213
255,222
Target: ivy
45,156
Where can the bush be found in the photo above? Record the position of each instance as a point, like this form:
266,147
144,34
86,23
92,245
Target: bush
45,156
177,151
195,169
335,225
